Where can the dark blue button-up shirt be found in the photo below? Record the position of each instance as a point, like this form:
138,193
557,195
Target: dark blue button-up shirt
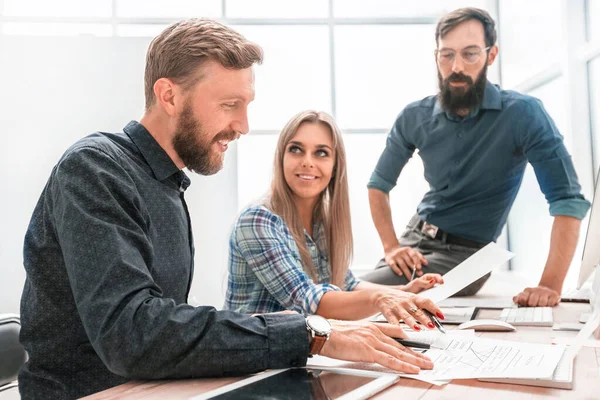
109,261
475,165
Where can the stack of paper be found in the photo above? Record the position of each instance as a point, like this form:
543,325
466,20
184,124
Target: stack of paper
472,357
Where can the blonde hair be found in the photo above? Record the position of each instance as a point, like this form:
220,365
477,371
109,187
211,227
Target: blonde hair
178,51
332,207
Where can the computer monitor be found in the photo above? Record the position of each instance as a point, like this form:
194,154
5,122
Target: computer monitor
591,249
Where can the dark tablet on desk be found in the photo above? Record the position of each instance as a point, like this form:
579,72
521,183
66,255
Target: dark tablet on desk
304,384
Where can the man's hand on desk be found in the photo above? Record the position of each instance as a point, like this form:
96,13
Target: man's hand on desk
539,296
373,343
402,260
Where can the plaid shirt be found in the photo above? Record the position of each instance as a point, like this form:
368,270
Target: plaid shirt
265,267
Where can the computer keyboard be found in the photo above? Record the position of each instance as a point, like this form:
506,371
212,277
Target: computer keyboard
527,316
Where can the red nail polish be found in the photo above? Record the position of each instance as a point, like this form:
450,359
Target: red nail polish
440,315
417,327
430,325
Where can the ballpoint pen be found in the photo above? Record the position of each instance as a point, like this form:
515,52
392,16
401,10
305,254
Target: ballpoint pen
412,277
435,321
412,343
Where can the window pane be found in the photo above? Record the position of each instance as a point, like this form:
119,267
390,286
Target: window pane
363,151
168,8
594,67
139,30
529,221
55,29
276,9
395,8
294,75
593,16
57,8
255,167
379,70
525,52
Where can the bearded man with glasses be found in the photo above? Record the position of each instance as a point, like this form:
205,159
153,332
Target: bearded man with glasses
475,141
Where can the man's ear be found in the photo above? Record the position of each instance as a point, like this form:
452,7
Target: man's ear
165,92
493,53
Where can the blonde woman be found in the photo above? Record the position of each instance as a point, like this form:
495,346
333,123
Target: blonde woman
292,252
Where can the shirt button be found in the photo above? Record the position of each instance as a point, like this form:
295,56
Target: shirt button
456,162
460,135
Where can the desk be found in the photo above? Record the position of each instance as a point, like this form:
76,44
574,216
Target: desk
586,373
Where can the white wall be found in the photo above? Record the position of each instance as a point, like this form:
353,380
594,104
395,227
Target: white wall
58,89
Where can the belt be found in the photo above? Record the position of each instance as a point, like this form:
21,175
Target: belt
436,233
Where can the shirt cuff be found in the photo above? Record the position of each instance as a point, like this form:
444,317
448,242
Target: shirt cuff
288,340
312,300
377,182
354,283
575,207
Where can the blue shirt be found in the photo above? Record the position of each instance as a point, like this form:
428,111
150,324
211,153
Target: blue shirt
265,267
475,165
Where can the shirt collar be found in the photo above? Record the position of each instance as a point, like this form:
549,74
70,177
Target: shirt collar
159,161
491,100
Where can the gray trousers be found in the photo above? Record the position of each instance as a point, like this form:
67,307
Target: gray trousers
441,257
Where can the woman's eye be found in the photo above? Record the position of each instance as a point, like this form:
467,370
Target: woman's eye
229,105
294,149
322,153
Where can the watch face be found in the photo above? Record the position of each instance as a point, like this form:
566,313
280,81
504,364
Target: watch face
320,325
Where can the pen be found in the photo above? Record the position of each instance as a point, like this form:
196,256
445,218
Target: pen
434,319
412,277
411,343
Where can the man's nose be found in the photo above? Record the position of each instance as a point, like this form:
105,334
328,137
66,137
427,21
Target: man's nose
458,65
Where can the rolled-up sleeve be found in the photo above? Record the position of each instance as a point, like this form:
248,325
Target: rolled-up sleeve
261,238
545,150
351,281
398,150
136,331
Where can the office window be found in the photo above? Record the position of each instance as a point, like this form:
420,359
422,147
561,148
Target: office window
277,9
529,222
593,20
140,30
394,8
594,74
530,38
379,70
254,166
363,151
57,8
295,74
55,29
168,8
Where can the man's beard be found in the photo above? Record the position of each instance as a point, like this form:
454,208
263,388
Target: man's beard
193,146
452,99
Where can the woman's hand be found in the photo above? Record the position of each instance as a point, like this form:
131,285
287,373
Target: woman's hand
426,281
396,305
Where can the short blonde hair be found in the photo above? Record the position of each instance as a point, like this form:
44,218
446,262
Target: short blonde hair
178,52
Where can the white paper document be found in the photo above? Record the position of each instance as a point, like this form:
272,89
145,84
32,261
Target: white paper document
466,358
467,272
472,357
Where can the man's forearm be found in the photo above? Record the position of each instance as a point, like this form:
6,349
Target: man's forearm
563,241
381,212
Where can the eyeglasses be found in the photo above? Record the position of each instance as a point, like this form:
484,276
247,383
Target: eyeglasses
469,55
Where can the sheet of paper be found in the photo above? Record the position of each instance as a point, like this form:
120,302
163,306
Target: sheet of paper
466,358
467,272
584,334
452,315
473,357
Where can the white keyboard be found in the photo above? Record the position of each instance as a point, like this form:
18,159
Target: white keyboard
561,379
527,316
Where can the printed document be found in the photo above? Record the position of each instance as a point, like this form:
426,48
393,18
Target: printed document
468,271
